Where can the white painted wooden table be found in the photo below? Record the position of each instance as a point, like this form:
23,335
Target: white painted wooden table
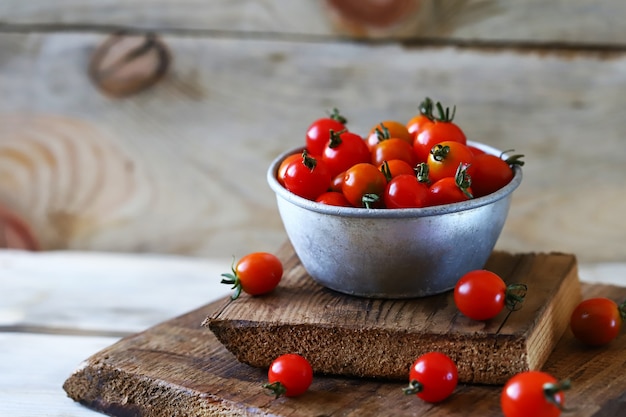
58,308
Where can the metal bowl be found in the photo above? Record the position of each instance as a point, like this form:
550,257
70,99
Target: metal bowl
392,253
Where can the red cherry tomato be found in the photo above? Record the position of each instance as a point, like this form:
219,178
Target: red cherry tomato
597,321
395,167
393,148
344,150
388,129
533,393
333,198
289,375
405,191
482,294
307,177
256,273
318,133
418,122
445,157
433,377
450,190
364,185
490,173
440,130
282,168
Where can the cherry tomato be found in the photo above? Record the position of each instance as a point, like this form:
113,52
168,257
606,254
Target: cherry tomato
533,393
364,185
307,177
450,190
440,130
256,273
490,173
289,375
418,122
482,294
318,133
433,377
388,129
396,167
282,168
336,182
333,198
597,321
393,148
405,191
344,150
445,157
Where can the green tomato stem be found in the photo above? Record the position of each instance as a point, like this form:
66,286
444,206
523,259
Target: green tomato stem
463,180
275,388
422,172
414,387
550,390
622,310
336,115
514,296
383,133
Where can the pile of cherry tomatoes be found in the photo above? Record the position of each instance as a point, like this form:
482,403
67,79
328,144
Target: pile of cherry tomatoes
424,162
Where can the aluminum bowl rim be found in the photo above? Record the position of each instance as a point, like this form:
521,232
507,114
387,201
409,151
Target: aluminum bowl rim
392,213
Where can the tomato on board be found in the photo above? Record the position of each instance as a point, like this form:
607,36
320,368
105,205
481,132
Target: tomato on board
256,273
318,133
289,375
533,393
333,198
406,191
420,120
433,377
307,177
344,150
364,185
490,172
440,130
482,294
388,129
445,157
597,321
450,190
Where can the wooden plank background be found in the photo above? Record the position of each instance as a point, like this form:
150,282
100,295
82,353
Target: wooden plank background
181,168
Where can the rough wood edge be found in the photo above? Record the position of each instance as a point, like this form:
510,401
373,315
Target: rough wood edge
554,321
374,354
117,392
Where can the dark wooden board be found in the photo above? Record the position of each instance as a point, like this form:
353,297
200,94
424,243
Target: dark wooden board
374,338
179,368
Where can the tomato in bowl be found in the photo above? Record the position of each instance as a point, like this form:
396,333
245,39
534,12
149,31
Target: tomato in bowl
393,253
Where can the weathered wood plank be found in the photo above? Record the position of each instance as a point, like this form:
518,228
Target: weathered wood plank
88,293
31,377
483,20
181,168
155,374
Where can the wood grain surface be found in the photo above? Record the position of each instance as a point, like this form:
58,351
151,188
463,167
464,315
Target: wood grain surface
360,337
180,168
179,368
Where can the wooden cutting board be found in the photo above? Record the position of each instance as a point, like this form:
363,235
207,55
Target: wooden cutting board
373,338
179,368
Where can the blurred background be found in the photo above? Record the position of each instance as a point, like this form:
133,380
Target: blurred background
148,126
